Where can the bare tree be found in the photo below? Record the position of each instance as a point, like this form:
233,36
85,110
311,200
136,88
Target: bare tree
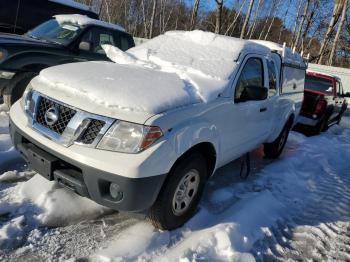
296,22
306,9
309,21
219,5
340,28
154,9
272,21
194,14
233,24
284,21
332,23
272,8
252,28
247,17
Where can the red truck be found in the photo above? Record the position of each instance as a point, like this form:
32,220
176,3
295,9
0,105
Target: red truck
324,102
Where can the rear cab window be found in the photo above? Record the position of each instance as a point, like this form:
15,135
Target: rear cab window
272,78
319,84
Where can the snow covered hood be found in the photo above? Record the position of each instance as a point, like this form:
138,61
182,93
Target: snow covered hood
114,90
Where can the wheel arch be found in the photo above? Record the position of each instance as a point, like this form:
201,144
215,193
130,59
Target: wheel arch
207,150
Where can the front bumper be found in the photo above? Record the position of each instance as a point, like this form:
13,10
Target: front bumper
138,193
308,121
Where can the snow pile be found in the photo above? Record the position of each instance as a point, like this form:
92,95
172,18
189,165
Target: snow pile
58,205
83,20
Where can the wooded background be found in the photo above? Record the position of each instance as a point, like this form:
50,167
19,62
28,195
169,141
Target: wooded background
320,28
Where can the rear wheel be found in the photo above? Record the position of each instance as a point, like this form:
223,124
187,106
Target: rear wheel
180,194
322,126
273,150
16,88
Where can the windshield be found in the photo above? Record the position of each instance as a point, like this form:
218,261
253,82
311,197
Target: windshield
319,84
52,31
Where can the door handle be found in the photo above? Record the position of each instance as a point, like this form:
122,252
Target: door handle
263,109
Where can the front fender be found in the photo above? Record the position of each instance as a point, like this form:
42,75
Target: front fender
187,135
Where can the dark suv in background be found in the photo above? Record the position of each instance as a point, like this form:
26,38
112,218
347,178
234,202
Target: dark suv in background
64,39
19,16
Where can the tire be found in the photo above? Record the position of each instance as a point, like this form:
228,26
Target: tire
322,126
273,150
16,88
166,213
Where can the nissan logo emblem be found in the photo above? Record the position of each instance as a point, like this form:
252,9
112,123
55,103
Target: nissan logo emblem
51,116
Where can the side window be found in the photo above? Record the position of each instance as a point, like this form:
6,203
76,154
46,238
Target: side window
272,78
98,37
122,41
252,74
339,89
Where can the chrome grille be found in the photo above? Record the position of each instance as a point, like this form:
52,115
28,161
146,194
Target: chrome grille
65,115
91,132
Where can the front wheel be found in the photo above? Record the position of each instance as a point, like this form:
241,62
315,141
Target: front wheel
17,87
181,193
273,150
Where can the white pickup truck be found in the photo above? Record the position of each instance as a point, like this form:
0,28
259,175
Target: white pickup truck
145,133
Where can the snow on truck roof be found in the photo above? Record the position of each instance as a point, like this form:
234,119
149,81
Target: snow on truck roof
83,20
196,52
290,57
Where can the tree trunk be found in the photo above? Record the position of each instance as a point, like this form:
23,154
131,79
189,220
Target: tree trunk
337,36
247,17
252,29
151,28
306,9
284,22
332,23
194,14
306,30
219,4
272,21
295,23
232,25
267,20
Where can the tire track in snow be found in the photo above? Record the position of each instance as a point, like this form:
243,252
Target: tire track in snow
320,231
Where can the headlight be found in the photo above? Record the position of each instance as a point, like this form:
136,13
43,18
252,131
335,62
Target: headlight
128,137
27,101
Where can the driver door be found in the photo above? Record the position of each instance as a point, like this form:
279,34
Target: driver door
247,122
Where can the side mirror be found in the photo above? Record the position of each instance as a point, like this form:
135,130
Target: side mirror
86,46
254,93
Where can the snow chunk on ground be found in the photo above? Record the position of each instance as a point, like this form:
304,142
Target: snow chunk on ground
83,20
11,232
59,206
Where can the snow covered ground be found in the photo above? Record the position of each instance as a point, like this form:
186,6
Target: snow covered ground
296,208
